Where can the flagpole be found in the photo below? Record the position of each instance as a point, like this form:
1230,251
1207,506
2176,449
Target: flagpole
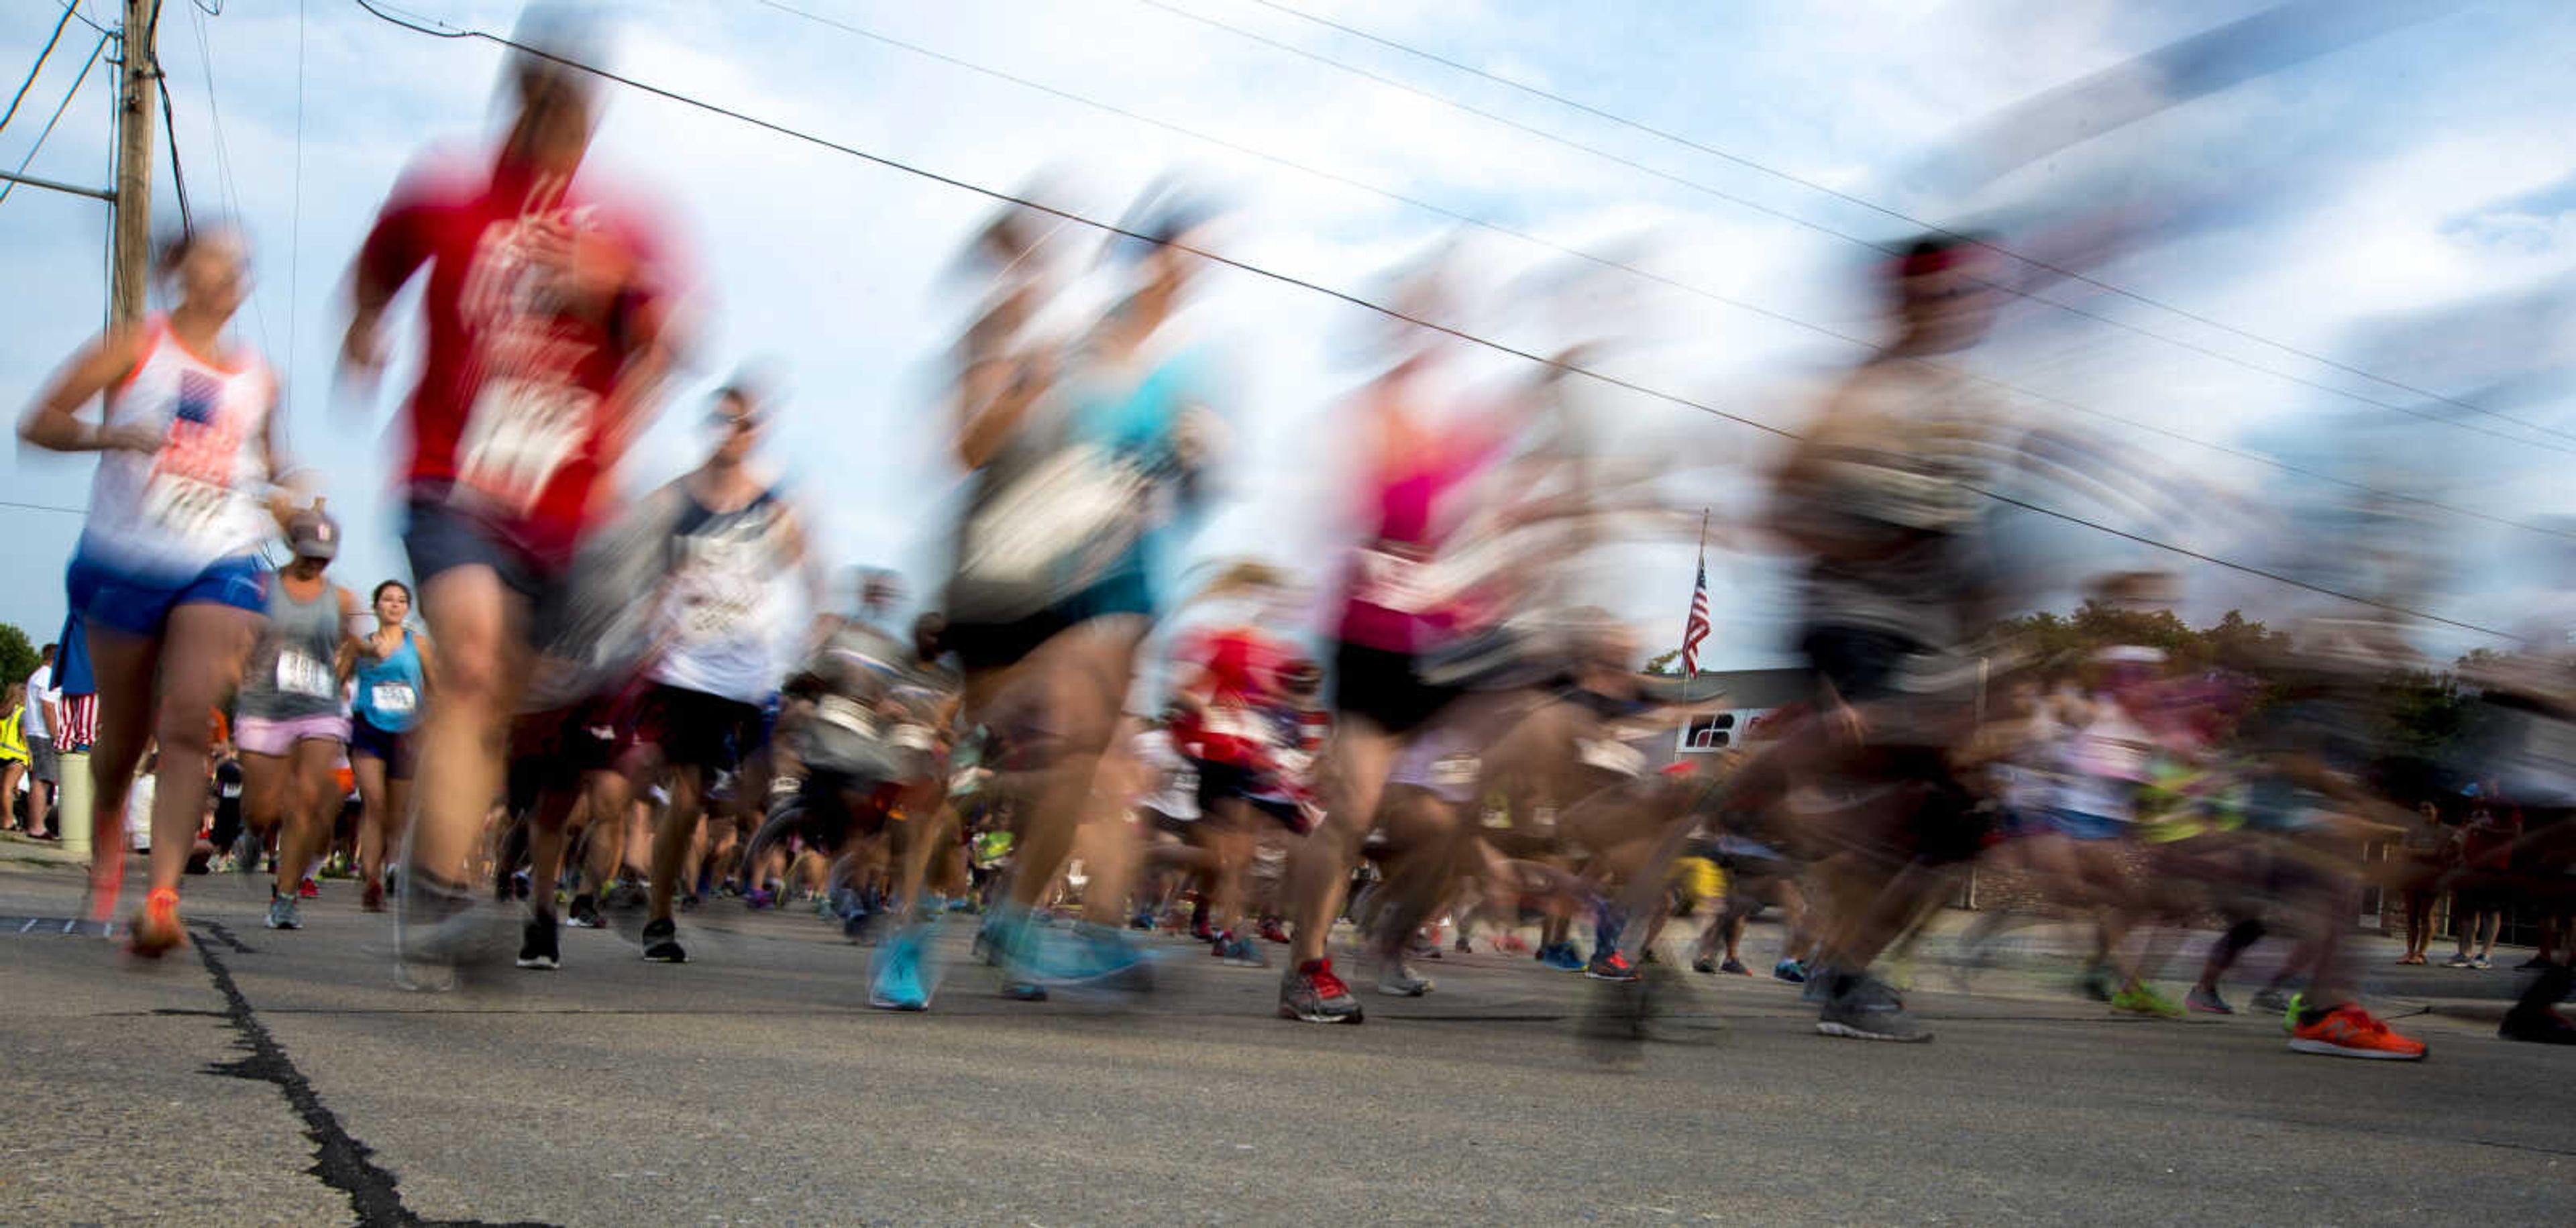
1700,569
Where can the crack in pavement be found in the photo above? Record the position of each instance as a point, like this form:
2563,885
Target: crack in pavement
339,1159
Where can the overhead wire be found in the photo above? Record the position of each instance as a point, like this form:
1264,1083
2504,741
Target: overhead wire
1821,228
1649,275
434,28
35,70
1895,214
59,108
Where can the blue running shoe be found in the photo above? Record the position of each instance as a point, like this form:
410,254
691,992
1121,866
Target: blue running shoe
902,981
1091,959
1789,971
1562,957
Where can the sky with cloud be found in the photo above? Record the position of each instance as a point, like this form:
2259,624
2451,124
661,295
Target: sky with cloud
2345,218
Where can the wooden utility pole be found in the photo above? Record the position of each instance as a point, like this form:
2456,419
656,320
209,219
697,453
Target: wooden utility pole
138,95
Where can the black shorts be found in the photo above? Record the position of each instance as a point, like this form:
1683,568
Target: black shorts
552,751
393,749
1385,687
1860,663
695,729
1221,782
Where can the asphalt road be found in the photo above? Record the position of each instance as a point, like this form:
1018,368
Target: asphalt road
282,1078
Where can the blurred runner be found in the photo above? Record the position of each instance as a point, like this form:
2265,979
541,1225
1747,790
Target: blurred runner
737,549
167,579
550,315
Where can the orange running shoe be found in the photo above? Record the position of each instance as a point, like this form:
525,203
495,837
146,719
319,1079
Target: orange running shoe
156,930
2349,1031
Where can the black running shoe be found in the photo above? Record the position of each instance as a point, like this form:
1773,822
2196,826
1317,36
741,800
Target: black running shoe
1864,1009
2541,1027
585,913
537,946
662,943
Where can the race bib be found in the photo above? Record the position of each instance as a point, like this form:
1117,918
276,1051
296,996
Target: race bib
846,714
184,508
298,674
391,698
1393,583
517,435
1237,723
1451,771
915,737
1610,756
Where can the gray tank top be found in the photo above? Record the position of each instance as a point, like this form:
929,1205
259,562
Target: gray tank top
291,674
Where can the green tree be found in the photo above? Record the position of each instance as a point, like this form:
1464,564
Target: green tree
1663,666
17,654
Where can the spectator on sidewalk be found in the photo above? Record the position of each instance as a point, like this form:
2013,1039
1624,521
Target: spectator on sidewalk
44,715
2486,851
13,755
2423,851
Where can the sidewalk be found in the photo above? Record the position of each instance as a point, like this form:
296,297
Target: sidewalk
37,853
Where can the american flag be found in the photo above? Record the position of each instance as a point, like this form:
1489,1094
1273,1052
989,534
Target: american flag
1696,629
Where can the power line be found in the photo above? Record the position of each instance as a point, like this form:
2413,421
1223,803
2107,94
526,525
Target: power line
37,70
1896,214
1648,275
44,507
437,29
73,7
65,105
1821,228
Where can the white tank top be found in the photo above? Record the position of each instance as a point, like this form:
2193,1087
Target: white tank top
196,500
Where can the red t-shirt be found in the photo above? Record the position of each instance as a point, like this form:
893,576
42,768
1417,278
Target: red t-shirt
511,420
1241,672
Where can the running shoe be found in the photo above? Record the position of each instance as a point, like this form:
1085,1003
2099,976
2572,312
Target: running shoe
584,914
372,898
2542,1026
2349,1031
759,898
900,983
2459,961
2207,1002
1240,953
538,948
1608,964
1312,994
281,914
1562,957
1817,989
1273,931
1461,945
2290,1014
1862,1008
2410,960
1090,958
2536,961
438,928
1704,966
2098,982
2142,999
308,889
156,929
688,902
2273,1002
662,943
1735,967
2482,963
859,926
1787,971
1398,981
1143,920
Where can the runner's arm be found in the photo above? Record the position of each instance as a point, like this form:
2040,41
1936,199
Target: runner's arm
52,423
